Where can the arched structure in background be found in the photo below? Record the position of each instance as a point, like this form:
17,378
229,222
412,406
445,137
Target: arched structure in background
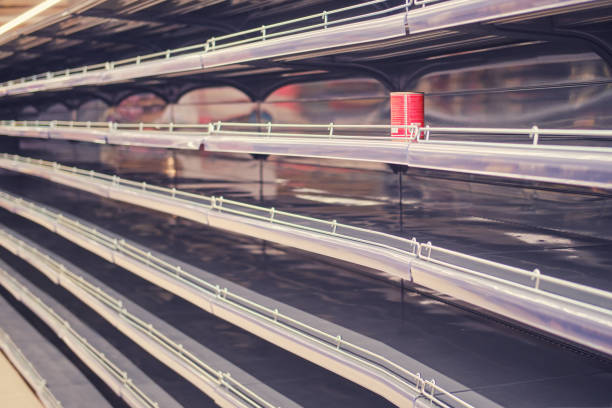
55,111
28,112
213,103
183,87
356,100
94,110
148,107
469,92
318,98
119,94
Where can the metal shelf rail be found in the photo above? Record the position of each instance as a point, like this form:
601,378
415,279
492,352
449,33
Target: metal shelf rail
222,387
569,310
371,370
28,371
529,156
192,58
101,365
322,31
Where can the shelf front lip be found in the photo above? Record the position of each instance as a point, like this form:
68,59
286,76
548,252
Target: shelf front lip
183,63
431,18
187,63
582,167
155,139
81,79
378,29
394,264
78,134
562,320
463,12
25,131
388,261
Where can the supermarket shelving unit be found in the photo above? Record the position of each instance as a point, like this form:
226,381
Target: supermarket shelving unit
169,48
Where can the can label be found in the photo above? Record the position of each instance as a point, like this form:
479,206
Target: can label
407,108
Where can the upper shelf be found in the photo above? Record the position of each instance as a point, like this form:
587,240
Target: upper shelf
574,157
313,35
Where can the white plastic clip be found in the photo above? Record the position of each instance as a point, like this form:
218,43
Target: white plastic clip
534,134
536,277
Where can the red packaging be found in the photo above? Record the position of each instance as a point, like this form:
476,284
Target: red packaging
407,108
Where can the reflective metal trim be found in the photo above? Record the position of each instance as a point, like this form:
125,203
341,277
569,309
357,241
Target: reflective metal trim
572,311
104,368
28,371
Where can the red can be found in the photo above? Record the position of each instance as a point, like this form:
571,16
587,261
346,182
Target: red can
407,108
